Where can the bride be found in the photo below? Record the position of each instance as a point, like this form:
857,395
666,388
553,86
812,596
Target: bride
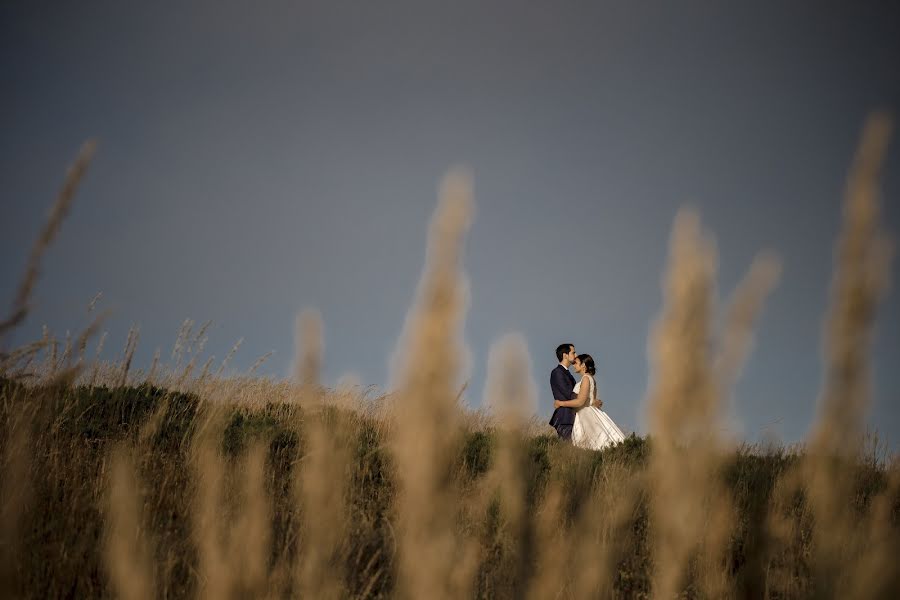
593,428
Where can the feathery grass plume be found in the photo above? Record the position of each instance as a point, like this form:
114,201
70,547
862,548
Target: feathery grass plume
259,362
181,341
82,349
308,346
48,365
58,213
511,395
29,359
52,357
194,347
744,306
432,558
82,340
67,348
93,302
874,573
232,531
96,366
130,345
197,345
228,357
789,526
510,391
128,557
249,543
204,372
185,375
319,484
568,526
860,278
11,363
859,281
154,365
100,344
604,528
683,408
553,561
215,573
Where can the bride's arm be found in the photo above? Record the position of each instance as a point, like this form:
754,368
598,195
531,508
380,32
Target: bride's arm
579,401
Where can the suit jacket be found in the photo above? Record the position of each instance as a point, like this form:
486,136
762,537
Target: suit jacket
562,385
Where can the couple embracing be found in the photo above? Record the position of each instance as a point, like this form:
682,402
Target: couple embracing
577,415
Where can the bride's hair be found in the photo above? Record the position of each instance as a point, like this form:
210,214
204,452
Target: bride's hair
588,363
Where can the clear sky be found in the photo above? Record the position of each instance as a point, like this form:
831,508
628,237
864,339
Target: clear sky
256,158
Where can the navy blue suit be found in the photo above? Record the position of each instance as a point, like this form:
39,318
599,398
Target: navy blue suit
562,384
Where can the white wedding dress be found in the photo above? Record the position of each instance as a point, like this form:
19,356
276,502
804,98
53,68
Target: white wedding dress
593,428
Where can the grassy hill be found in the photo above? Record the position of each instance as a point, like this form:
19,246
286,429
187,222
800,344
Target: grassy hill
67,445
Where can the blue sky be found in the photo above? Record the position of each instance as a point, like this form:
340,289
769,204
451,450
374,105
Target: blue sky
258,158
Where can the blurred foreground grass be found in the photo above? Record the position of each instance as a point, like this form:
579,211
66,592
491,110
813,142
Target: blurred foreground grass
74,430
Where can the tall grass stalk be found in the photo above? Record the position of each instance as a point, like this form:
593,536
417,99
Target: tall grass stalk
128,556
433,560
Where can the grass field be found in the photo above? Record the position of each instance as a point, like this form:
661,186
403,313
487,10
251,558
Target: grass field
185,479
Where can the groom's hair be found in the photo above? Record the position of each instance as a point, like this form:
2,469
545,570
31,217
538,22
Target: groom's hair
561,350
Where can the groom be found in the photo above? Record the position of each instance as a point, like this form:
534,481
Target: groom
562,385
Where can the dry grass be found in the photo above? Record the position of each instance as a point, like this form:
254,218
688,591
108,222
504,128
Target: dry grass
188,480
426,429
127,554
844,534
